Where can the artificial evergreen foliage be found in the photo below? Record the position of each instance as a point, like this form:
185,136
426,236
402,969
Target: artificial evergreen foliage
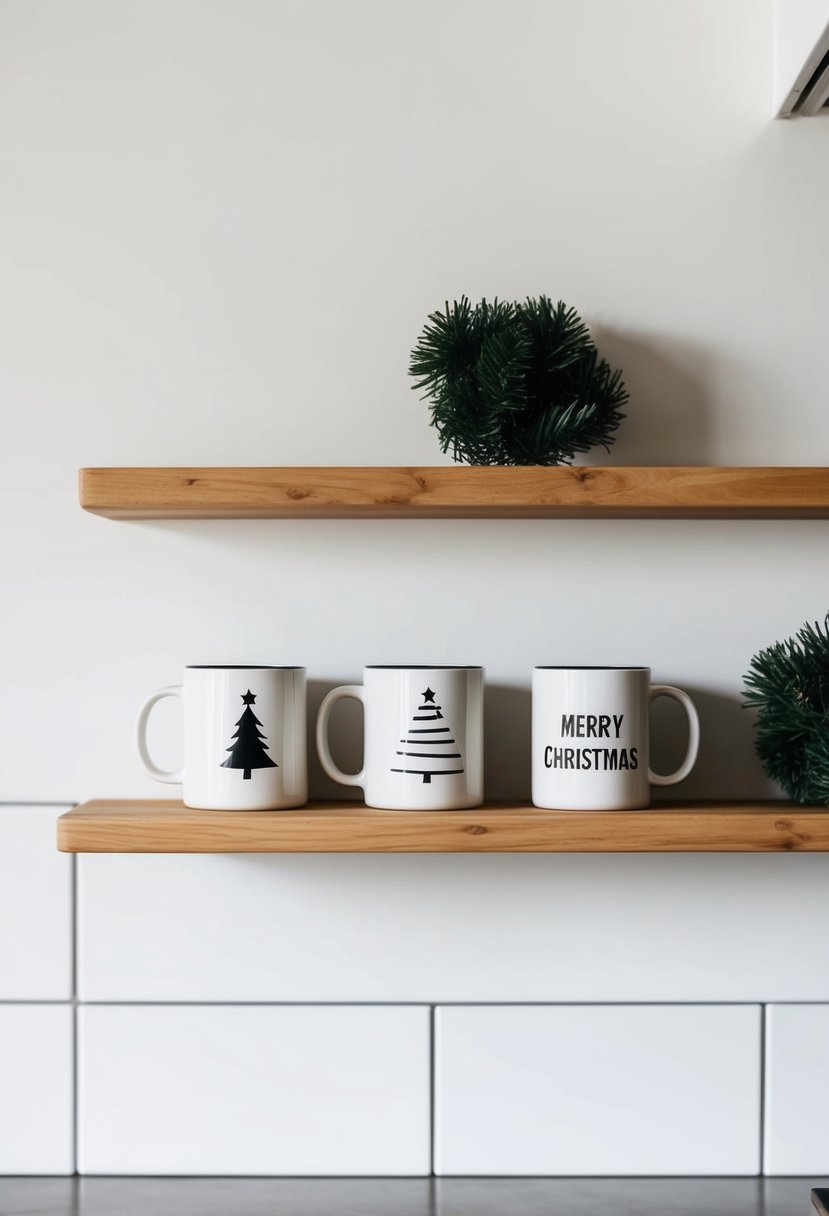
516,383
788,683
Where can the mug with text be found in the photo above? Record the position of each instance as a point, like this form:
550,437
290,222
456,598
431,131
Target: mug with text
244,738
590,737
423,737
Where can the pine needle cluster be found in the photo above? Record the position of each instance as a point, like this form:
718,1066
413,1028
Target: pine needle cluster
516,383
788,683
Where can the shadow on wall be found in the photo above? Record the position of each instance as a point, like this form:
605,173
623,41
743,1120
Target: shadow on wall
507,742
727,766
670,418
345,738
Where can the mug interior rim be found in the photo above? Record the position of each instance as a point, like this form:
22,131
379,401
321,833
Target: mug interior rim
568,667
242,667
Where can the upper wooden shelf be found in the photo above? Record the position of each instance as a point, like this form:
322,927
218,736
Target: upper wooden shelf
456,492
350,827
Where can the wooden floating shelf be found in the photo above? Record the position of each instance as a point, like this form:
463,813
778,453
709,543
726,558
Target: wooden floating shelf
350,827
456,492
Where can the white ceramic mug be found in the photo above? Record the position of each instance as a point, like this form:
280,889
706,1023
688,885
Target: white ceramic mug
591,737
424,737
244,738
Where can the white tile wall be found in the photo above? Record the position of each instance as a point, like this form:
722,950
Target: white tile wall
253,1090
797,1072
36,1117
597,1090
35,907
345,1089
451,928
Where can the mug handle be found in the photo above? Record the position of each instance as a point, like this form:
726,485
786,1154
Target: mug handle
666,690
175,690
355,692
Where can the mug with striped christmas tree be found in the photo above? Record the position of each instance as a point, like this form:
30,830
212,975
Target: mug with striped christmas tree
424,744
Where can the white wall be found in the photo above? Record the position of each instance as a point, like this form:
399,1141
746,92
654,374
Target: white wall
222,226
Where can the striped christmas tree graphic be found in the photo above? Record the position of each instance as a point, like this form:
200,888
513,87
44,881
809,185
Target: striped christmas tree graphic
428,748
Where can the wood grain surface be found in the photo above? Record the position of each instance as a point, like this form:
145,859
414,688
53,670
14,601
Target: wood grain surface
455,492
349,827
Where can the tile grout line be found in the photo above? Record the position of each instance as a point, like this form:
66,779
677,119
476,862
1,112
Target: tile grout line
194,1002
334,1004
205,1002
73,928
763,1008
70,1001
75,1088
432,1016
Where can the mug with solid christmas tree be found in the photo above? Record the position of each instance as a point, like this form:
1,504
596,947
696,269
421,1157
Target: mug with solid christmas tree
423,737
244,737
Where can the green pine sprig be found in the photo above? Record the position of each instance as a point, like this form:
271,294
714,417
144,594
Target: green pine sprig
788,683
516,383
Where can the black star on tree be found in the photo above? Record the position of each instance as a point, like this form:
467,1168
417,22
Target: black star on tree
428,695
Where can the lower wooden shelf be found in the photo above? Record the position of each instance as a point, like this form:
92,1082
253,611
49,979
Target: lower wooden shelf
349,827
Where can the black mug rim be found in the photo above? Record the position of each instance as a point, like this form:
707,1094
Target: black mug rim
422,667
570,667
242,667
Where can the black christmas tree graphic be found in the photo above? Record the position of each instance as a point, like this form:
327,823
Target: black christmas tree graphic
248,752
429,749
